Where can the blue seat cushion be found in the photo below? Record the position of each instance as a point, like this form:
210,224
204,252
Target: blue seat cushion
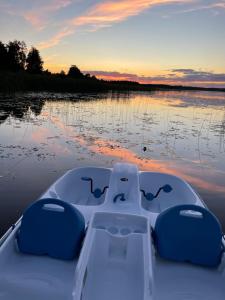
51,227
189,233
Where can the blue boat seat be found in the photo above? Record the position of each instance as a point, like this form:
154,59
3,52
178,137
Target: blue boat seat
51,227
189,233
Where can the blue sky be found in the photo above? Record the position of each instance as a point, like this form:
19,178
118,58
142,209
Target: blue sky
160,41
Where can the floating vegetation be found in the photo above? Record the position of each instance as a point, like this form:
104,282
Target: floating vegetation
44,134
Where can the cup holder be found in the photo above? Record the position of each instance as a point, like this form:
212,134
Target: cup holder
119,231
119,225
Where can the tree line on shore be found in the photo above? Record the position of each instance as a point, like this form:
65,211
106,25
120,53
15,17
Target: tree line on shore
15,57
22,70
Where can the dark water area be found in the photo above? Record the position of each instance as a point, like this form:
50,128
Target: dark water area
42,136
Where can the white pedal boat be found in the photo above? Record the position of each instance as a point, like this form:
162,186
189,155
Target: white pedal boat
118,234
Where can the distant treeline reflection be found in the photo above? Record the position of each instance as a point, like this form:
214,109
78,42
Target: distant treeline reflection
19,109
22,70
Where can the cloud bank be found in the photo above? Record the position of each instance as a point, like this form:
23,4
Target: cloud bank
175,76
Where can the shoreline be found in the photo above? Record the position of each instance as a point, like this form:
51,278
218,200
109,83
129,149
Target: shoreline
24,82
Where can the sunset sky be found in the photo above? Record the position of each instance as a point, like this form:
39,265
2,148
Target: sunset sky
150,41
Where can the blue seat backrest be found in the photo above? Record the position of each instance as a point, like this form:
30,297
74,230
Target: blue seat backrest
189,233
47,230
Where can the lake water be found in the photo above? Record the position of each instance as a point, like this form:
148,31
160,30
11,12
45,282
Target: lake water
41,138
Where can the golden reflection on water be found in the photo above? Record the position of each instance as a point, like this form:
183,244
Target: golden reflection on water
183,135
183,132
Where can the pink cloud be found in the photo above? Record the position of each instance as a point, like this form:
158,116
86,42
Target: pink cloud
175,77
110,12
56,38
38,15
106,14
35,20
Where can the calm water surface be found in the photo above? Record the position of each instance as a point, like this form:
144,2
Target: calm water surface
41,138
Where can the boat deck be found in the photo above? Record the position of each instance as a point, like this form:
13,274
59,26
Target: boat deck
35,277
40,278
183,281
118,260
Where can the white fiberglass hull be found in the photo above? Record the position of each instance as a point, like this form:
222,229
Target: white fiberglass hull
118,259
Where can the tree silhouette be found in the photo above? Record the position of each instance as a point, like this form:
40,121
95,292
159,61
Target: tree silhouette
34,63
62,74
16,52
75,72
3,57
47,72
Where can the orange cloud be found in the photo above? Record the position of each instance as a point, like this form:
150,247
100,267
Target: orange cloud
106,14
38,16
34,19
56,39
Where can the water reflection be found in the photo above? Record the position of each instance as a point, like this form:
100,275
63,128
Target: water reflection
183,133
19,108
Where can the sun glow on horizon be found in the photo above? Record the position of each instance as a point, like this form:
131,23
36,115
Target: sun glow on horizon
138,40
